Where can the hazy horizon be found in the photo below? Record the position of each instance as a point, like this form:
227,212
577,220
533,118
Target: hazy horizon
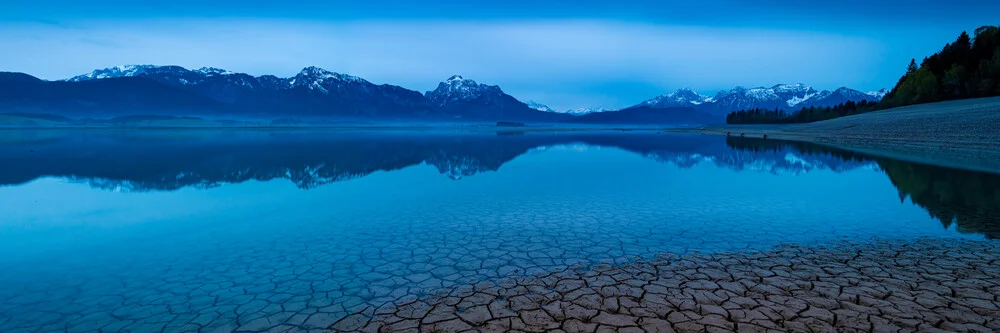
592,54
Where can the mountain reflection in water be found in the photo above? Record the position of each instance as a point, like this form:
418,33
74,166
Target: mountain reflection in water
161,160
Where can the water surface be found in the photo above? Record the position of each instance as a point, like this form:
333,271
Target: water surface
224,230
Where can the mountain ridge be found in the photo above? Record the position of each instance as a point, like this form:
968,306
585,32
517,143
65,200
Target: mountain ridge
788,97
318,93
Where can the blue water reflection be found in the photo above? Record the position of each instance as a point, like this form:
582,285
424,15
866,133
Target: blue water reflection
224,230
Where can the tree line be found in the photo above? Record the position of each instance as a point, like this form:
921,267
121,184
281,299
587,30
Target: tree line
966,68
805,115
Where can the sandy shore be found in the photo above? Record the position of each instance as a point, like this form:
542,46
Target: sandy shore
963,134
926,286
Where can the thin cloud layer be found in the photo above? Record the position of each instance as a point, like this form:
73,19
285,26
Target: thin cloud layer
563,63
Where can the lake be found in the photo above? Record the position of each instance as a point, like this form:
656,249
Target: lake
202,230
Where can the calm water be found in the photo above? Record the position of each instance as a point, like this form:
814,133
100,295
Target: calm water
225,230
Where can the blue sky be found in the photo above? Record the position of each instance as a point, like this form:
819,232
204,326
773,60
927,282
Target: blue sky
567,54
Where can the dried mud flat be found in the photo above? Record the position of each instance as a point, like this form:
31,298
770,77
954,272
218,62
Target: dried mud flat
925,285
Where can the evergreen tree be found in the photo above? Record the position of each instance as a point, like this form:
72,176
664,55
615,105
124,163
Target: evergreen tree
912,68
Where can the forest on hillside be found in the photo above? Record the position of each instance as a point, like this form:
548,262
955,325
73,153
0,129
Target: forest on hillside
967,68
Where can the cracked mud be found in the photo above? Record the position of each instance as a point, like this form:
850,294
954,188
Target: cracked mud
926,286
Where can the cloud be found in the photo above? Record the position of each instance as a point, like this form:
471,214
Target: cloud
566,60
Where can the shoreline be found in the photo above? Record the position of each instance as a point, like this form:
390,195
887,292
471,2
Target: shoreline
963,134
883,286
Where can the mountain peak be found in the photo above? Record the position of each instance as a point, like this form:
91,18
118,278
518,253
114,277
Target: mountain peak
213,70
321,75
539,106
687,93
683,97
457,87
583,111
113,72
878,93
314,71
793,86
458,80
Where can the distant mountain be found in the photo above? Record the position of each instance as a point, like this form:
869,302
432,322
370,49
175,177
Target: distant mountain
575,112
113,72
539,106
841,95
782,96
318,92
22,93
583,111
464,99
788,97
878,94
176,91
680,98
315,93
644,115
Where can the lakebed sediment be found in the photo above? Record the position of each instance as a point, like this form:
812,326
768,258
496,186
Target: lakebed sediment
884,286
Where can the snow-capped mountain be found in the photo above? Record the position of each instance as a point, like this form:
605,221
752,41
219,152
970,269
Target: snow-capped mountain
539,106
788,97
316,92
574,111
113,72
878,94
213,70
311,77
313,92
458,89
781,96
467,99
841,95
680,98
583,111
315,77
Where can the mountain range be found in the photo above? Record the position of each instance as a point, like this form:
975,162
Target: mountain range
575,111
315,93
212,92
788,97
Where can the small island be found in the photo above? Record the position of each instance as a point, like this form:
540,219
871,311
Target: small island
509,124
